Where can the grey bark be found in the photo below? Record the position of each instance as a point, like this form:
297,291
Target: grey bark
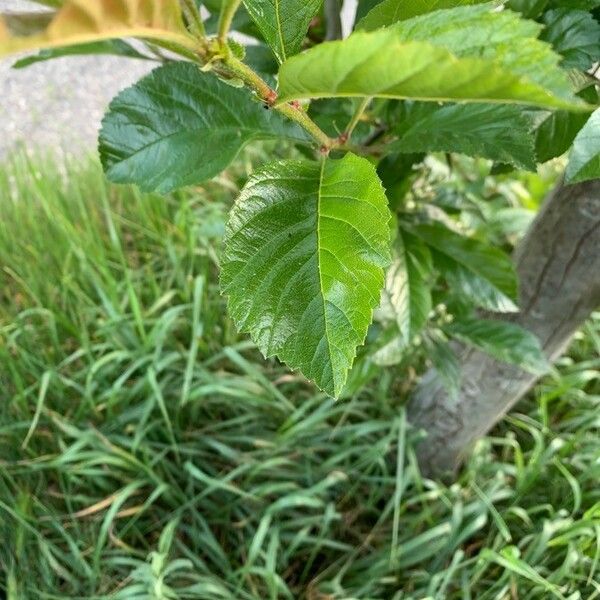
558,265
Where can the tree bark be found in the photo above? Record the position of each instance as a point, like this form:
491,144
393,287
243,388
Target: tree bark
558,265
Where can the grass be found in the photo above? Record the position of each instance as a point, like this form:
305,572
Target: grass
149,452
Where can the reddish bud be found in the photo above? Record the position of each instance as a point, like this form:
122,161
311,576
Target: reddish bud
271,97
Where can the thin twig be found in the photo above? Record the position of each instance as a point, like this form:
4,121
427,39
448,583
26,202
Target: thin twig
358,113
228,10
292,110
192,14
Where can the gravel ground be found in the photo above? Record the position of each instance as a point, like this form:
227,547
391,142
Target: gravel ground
59,104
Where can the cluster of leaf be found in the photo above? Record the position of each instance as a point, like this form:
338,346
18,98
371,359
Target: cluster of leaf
444,286
311,248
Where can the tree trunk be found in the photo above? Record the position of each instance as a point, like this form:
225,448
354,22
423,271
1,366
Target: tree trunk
558,264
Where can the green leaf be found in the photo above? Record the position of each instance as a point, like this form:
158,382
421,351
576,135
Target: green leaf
500,133
584,160
575,34
444,361
364,7
390,350
303,261
78,22
50,3
576,4
213,6
484,272
116,47
391,11
179,126
332,115
504,341
426,58
261,59
467,283
492,35
406,296
396,171
283,23
555,134
528,8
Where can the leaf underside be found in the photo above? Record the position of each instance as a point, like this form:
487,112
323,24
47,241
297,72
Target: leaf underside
556,133
113,47
389,12
406,296
82,21
427,58
303,261
584,160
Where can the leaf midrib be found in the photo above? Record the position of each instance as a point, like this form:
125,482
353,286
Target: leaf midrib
321,287
279,30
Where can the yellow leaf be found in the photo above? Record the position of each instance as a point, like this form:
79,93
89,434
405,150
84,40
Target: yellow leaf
84,21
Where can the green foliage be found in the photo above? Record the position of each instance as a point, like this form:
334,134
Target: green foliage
584,160
484,70
166,459
576,4
364,7
478,262
145,136
575,34
556,133
529,8
497,132
283,23
505,341
303,264
389,12
422,77
406,297
444,361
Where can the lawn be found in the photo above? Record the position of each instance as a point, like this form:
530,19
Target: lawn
148,451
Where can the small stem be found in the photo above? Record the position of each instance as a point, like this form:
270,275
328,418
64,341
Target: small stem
177,49
358,113
250,78
192,14
297,114
268,95
228,10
